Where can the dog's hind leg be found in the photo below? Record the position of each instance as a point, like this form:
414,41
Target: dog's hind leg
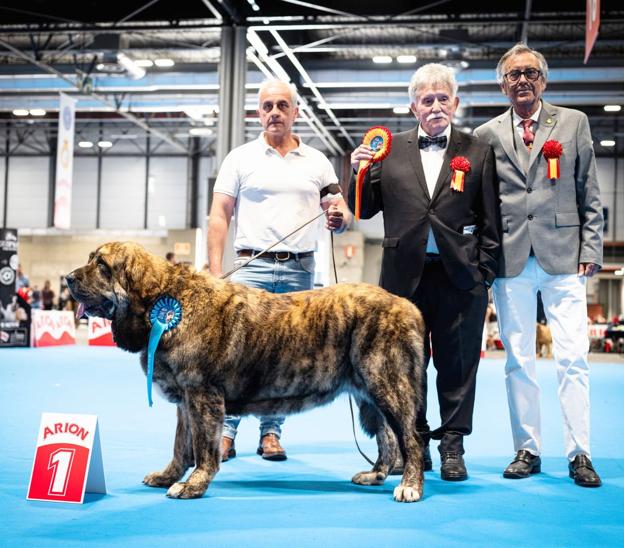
398,405
374,424
206,411
182,455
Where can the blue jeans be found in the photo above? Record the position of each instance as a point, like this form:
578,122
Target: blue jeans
276,277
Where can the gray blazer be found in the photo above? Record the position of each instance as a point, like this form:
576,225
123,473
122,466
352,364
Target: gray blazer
562,220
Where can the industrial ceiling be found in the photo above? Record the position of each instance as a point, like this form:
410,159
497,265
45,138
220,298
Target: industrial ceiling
91,50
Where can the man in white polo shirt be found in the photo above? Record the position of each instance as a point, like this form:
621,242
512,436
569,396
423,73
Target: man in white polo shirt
274,184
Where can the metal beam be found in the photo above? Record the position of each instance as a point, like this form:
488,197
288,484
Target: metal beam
293,59
43,66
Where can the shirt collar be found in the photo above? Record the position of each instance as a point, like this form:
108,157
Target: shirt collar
535,116
446,133
300,150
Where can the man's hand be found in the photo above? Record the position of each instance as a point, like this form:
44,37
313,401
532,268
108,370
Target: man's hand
588,269
335,217
363,152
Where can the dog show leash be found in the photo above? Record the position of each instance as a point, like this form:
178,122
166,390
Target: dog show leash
267,249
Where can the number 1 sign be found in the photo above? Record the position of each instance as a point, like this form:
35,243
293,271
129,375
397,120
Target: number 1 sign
68,459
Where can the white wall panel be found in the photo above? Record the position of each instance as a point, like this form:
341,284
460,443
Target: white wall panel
167,193
84,193
28,192
123,192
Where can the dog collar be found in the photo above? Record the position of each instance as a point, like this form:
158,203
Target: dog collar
165,314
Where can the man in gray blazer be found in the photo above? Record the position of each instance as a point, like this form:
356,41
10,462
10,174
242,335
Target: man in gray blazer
552,240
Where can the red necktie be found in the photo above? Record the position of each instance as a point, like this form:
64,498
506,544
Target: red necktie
527,134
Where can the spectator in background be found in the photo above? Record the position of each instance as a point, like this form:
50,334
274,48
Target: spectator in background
21,279
47,296
170,256
35,298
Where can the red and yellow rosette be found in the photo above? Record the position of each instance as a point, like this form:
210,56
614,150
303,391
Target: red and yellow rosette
552,151
379,139
461,168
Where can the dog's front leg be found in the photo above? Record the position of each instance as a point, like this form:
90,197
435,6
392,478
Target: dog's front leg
206,411
182,455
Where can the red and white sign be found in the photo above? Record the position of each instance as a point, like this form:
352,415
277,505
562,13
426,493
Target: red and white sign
68,459
592,24
597,330
53,328
100,333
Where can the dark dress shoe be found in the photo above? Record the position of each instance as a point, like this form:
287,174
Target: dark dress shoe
270,448
523,465
227,449
583,473
427,463
453,467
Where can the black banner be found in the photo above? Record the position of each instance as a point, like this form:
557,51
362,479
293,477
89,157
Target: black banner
14,310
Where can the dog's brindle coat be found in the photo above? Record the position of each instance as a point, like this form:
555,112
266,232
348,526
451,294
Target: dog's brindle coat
241,350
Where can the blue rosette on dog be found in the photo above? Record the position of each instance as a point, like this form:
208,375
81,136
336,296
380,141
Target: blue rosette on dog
165,314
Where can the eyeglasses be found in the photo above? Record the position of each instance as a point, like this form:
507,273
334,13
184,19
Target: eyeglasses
530,74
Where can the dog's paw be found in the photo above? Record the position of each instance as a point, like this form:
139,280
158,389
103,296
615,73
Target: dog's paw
369,478
157,479
406,493
185,490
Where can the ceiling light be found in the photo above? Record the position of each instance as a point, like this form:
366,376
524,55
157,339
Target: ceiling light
105,144
134,72
85,144
382,59
145,63
607,143
400,110
199,112
164,62
200,131
406,58
20,112
37,112
612,108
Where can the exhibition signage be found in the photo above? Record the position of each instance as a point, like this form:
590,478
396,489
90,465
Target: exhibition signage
14,311
64,162
592,24
100,333
68,459
53,327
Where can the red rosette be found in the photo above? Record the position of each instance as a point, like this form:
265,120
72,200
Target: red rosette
461,167
379,139
552,151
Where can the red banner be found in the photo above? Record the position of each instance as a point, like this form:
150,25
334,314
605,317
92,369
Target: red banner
100,333
53,328
592,24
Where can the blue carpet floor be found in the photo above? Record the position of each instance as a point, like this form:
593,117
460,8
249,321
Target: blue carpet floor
307,500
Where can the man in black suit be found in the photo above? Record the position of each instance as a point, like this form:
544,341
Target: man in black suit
440,245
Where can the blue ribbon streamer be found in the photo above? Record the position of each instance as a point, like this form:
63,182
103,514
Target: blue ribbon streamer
164,315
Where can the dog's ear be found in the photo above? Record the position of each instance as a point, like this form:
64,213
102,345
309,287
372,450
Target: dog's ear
138,271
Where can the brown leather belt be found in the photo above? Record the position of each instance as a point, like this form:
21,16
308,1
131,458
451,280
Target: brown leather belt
275,255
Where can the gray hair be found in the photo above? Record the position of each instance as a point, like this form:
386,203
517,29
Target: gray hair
432,74
268,83
519,49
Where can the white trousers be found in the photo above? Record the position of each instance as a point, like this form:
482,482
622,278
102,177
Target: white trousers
565,305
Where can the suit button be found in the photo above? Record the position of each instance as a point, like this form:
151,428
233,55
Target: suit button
529,190
530,217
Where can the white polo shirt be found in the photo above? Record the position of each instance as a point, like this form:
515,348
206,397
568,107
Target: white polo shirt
275,194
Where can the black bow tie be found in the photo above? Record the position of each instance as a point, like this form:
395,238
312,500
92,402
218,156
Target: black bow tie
424,141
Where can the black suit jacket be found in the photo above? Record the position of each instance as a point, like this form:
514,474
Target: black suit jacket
397,186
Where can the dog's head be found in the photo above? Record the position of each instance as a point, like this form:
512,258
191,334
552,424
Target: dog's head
118,277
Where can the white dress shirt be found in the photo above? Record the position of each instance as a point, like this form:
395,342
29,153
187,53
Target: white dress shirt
517,121
432,159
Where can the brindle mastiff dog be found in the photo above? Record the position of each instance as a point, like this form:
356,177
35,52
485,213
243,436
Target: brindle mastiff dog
246,351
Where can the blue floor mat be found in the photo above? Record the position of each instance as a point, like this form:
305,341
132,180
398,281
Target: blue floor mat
307,500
